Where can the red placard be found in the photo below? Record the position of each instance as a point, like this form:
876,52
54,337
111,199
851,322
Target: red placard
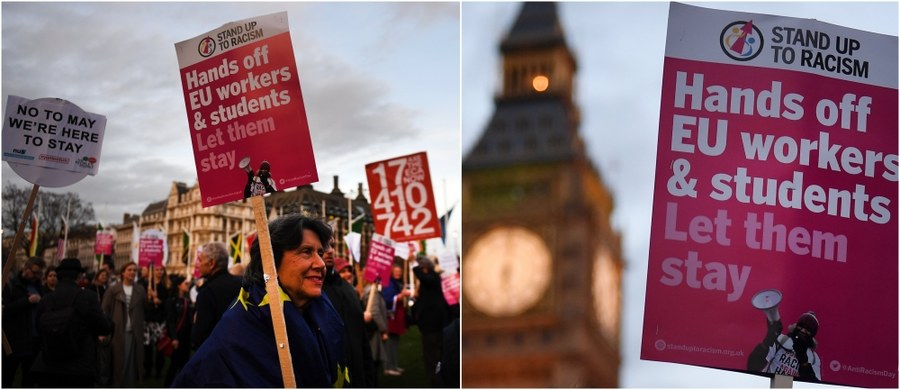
103,244
403,205
247,120
775,196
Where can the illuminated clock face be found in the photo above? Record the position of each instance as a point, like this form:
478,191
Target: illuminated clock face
605,281
506,271
540,83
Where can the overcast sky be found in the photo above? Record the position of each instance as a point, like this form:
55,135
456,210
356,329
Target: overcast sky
619,48
379,80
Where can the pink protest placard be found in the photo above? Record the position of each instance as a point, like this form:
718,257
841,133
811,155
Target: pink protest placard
450,287
195,265
381,258
247,120
152,248
103,244
775,200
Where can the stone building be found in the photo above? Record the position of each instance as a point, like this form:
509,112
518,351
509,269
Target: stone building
181,212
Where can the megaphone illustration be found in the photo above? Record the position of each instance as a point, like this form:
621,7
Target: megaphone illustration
244,163
767,301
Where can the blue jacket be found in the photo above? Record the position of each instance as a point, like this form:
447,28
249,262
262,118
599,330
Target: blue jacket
241,350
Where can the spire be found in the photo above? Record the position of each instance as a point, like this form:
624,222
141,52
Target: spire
536,26
532,124
336,190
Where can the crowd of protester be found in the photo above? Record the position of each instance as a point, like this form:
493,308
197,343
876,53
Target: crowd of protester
128,324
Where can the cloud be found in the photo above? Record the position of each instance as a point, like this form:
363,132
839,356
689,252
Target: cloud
119,60
347,110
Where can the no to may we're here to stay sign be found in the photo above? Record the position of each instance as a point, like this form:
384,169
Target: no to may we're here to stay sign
775,200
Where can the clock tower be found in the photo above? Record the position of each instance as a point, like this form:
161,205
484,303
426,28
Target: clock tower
541,263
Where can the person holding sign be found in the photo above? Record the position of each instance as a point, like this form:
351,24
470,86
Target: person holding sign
242,351
376,330
393,296
792,354
433,314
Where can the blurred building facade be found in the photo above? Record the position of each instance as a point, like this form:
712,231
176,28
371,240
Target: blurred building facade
542,266
182,213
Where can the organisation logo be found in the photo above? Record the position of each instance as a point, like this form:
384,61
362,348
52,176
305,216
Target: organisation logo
86,162
206,47
741,41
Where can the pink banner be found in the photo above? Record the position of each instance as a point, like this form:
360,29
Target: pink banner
381,258
774,239
103,244
196,264
245,110
152,248
450,286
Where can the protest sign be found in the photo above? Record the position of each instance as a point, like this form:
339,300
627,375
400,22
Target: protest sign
195,265
248,125
404,202
152,248
353,241
51,142
450,287
776,178
103,243
402,249
381,258
448,260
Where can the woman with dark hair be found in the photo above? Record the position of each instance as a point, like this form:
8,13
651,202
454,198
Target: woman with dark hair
50,281
155,320
98,284
242,351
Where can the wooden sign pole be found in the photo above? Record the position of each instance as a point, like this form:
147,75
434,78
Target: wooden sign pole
11,259
781,382
371,300
275,303
406,278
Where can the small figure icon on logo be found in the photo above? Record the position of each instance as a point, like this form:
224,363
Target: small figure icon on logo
206,47
741,41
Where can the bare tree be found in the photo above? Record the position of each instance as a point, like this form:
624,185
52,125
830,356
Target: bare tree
53,208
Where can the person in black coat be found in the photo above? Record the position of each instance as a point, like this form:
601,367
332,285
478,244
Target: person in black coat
432,314
449,368
89,325
179,313
21,296
356,345
155,319
219,291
